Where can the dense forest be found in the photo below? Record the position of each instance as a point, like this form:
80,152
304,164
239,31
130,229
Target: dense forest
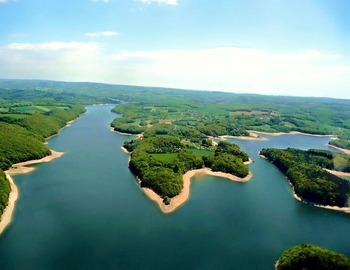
305,171
310,257
159,161
4,191
217,113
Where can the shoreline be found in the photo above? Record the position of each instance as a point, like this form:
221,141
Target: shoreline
345,210
252,137
184,195
6,217
290,133
139,136
20,168
66,125
335,208
346,151
338,173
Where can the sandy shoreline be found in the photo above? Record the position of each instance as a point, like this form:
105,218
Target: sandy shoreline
181,198
289,133
338,173
19,168
124,150
22,166
346,151
6,216
334,208
140,135
252,137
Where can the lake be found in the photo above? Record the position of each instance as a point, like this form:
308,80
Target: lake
86,211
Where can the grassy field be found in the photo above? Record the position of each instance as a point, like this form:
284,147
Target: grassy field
169,158
42,109
200,153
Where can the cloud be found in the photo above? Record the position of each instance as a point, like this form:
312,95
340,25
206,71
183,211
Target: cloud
63,60
168,2
102,33
104,1
240,70
5,1
246,70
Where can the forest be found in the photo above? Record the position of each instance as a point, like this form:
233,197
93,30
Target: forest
310,257
305,171
217,113
159,161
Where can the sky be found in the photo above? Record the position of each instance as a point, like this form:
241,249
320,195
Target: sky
278,47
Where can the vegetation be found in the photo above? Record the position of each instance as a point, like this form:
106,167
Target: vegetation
310,257
159,161
4,191
305,171
208,113
18,144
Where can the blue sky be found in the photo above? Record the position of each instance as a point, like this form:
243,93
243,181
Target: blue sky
295,47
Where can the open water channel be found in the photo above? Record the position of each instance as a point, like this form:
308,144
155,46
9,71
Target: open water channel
86,211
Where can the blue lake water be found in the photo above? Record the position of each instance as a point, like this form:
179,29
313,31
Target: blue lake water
86,211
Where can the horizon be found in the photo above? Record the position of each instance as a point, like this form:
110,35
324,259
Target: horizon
273,48
177,89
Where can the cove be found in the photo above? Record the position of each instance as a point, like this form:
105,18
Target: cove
86,211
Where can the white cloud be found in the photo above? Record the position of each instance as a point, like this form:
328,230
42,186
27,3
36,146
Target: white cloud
63,60
5,1
308,73
102,33
168,2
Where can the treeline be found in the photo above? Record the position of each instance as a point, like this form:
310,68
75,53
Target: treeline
165,176
305,171
4,191
18,144
228,158
310,257
48,123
